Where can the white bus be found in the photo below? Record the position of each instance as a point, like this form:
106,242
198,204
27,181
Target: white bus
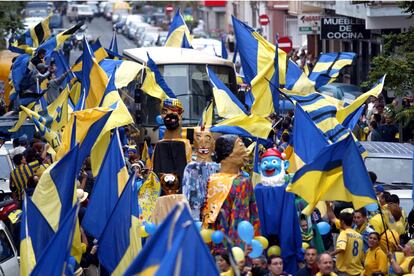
184,70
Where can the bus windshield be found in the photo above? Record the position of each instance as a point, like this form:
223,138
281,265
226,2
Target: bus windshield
191,85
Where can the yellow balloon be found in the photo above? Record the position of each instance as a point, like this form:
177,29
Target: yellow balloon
305,245
206,235
238,254
263,241
142,232
273,250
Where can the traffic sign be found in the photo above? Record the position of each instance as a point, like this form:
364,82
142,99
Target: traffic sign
264,19
169,8
284,43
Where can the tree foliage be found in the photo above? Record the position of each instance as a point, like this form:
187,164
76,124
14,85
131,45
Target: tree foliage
10,19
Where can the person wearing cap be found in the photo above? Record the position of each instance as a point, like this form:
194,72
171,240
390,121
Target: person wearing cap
403,265
349,248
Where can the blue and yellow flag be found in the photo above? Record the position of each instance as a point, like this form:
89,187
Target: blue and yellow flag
308,140
353,118
336,173
109,184
297,82
178,33
154,84
224,53
57,252
125,70
61,67
257,57
18,71
35,234
113,46
58,111
251,126
99,53
375,91
227,104
328,66
175,248
54,42
32,38
120,241
207,116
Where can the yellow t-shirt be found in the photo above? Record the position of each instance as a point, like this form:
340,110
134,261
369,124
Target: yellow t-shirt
375,261
405,264
331,274
350,260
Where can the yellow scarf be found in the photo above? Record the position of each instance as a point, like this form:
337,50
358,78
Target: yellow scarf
219,186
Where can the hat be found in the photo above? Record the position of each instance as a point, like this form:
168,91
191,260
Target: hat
82,195
274,152
172,104
379,189
23,138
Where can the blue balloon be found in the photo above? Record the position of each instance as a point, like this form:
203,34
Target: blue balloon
150,228
323,227
159,120
372,207
257,249
246,231
198,225
217,237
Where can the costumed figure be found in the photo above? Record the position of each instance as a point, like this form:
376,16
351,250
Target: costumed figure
172,153
197,173
230,197
277,212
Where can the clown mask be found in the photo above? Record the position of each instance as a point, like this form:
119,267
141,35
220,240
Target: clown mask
204,144
273,168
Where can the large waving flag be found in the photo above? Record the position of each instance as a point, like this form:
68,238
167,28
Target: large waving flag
99,53
109,184
208,115
297,82
375,91
226,102
56,254
120,241
32,38
154,84
61,67
328,66
178,33
58,111
18,71
252,126
35,234
125,70
336,173
54,42
176,248
308,140
257,57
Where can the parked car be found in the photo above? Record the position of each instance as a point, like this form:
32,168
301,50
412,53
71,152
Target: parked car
9,260
162,38
207,45
5,170
79,12
108,9
38,9
56,21
130,19
341,91
146,34
135,28
94,7
391,162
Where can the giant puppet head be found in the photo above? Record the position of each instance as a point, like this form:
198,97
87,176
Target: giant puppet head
171,113
203,144
273,168
231,153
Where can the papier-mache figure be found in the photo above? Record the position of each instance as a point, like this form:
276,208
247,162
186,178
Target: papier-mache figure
172,153
277,212
230,197
197,173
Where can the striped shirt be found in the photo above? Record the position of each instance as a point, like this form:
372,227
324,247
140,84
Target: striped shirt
20,176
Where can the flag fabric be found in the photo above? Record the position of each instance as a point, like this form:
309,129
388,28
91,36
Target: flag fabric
305,149
154,84
113,46
353,118
120,240
252,126
35,234
126,71
297,82
374,91
257,57
227,104
22,118
208,115
224,53
40,122
57,252
328,66
175,248
61,67
58,111
18,71
54,42
256,178
336,173
178,33
109,184
99,53
119,117
32,38
145,156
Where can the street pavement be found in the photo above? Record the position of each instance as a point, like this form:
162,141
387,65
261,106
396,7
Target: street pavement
102,28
